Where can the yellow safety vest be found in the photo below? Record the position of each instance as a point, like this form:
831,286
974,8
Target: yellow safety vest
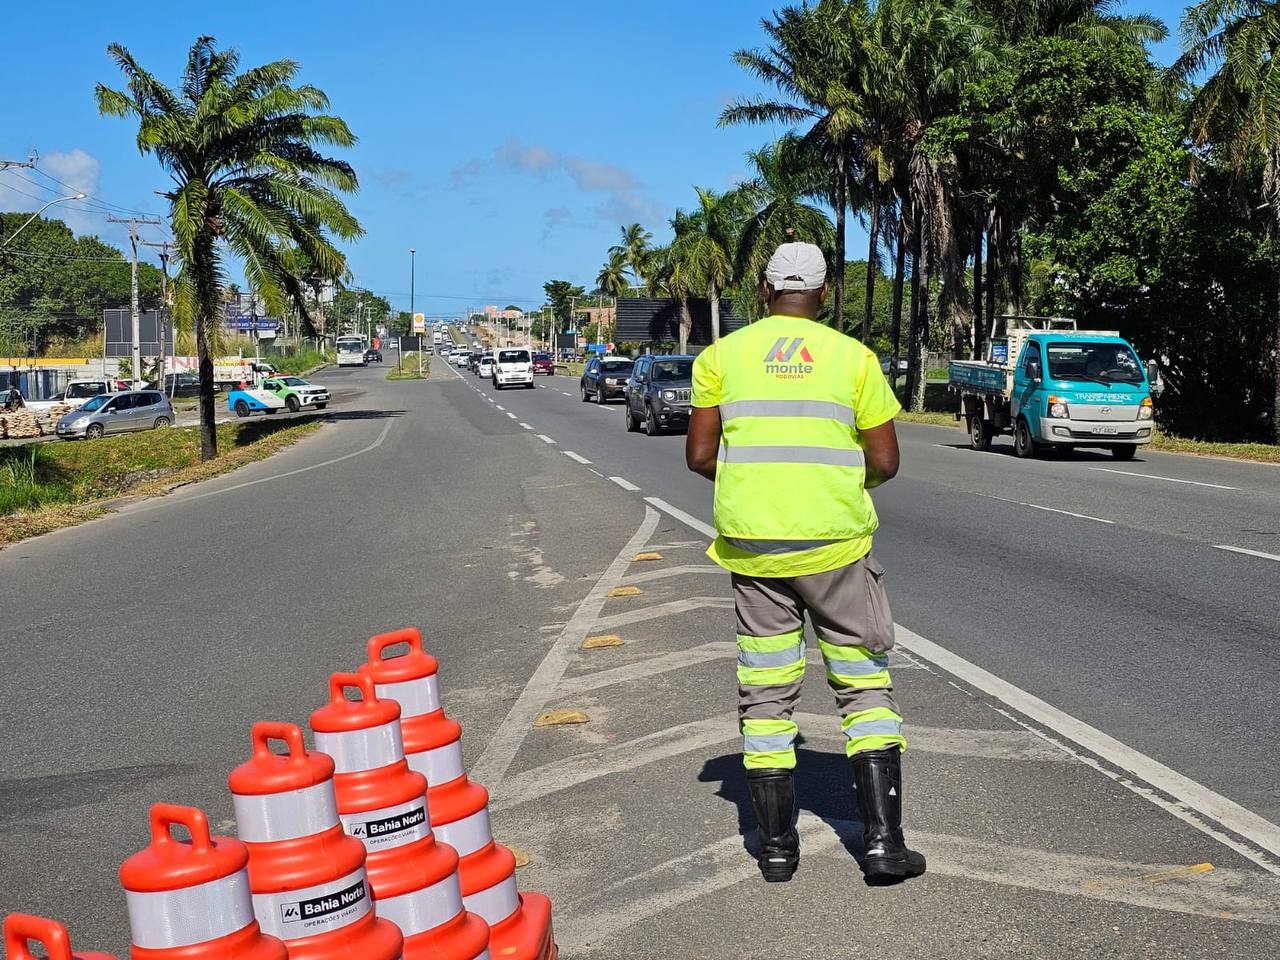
791,474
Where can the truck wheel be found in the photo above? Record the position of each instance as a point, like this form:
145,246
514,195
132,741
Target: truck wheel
292,403
1024,445
242,408
1124,451
979,433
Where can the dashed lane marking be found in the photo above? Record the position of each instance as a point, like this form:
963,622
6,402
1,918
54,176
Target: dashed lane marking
1246,552
575,456
625,484
1153,476
1036,506
544,438
526,426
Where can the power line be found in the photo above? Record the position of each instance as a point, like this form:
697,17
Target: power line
64,256
107,203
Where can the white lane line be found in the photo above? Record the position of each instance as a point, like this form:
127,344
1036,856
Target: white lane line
1251,553
625,484
176,498
575,456
686,518
596,472
511,415
501,407
506,741
1152,476
1036,506
544,438
1193,803
526,426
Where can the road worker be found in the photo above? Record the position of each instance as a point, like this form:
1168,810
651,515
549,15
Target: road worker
793,421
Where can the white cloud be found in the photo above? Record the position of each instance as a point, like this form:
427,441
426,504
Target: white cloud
25,190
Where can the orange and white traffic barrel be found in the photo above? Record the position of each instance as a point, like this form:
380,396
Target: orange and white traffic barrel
383,803
190,899
307,876
520,922
22,928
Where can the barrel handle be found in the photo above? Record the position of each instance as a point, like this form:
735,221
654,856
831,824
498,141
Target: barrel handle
165,815
378,644
339,682
19,928
265,731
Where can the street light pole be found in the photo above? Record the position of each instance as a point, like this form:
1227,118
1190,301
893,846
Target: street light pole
78,196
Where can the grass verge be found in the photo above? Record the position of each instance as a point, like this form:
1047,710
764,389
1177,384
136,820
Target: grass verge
409,368
1163,442
44,486
571,369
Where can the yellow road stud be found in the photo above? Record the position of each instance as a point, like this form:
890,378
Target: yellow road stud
607,640
626,592
556,718
640,557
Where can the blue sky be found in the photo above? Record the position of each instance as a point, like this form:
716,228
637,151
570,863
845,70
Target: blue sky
505,141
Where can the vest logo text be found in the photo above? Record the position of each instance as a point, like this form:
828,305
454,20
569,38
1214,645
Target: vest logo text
788,359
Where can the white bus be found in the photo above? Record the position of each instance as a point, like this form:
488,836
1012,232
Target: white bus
351,348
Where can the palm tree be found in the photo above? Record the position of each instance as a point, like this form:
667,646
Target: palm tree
612,278
634,247
785,175
668,275
705,250
248,181
1234,113
813,52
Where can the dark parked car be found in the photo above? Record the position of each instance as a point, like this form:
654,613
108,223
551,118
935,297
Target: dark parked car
179,385
542,363
604,378
372,356
658,393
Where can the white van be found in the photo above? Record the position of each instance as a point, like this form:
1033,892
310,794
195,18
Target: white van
513,367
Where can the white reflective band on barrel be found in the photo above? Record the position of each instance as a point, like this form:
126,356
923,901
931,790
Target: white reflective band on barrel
295,914
178,918
423,909
390,826
267,817
495,904
415,697
354,750
468,834
439,765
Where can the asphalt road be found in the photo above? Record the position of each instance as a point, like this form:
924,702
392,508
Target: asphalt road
139,647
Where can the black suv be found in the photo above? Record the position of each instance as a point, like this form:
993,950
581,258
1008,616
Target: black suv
604,378
658,394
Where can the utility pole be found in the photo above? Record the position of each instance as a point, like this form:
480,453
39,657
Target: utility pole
30,163
163,326
133,223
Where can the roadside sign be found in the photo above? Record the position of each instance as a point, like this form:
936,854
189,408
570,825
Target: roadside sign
419,323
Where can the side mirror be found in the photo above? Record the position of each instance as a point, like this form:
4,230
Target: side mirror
1033,369
1154,379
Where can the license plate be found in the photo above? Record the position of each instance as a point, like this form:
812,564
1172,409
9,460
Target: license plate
1105,431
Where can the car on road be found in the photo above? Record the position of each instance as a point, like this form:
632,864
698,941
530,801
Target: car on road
485,367
605,378
117,413
297,393
542,363
658,393
459,358
246,400
513,367
179,385
372,356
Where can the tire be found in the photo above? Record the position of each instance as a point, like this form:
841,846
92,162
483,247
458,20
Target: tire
292,403
1124,451
582,389
241,408
1024,445
530,385
93,432
979,433
161,423
630,417
600,398
651,428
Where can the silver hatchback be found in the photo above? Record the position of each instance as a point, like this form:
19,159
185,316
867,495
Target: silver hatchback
117,413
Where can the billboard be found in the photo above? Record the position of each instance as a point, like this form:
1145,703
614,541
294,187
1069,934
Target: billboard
119,333
419,323
241,317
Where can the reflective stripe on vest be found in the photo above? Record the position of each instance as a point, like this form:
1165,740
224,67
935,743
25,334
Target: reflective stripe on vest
268,817
162,919
415,697
829,456
771,547
496,903
294,914
468,834
813,409
440,765
390,827
355,750
423,909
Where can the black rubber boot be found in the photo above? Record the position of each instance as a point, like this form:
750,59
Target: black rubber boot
877,775
773,795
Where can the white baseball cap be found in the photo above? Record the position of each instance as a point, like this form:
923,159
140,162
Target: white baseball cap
796,266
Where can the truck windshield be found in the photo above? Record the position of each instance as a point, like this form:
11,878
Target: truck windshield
1100,362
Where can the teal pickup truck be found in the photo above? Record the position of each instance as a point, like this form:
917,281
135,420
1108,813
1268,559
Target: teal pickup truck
1055,387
